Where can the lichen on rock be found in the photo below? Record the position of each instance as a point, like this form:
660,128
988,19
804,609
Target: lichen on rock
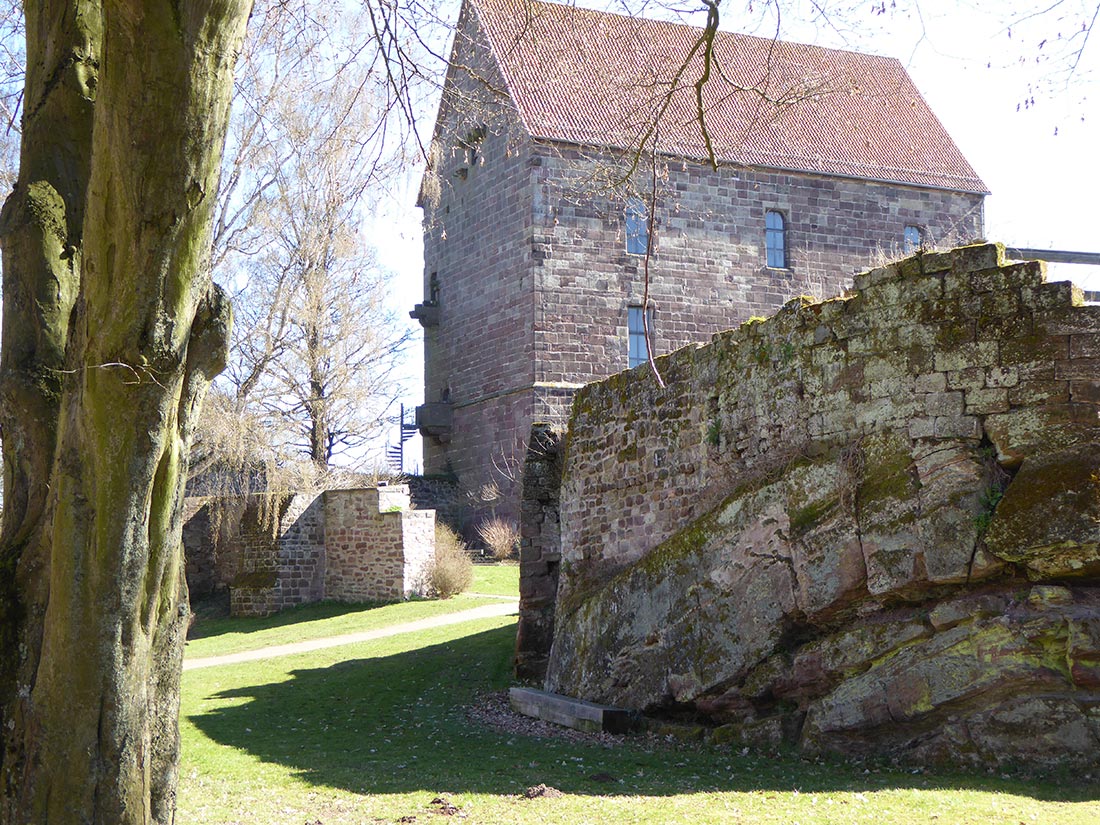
866,526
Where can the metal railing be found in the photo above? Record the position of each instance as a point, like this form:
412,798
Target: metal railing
1054,256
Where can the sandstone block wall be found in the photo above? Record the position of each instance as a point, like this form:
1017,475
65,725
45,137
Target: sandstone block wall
302,551
376,548
418,537
274,552
200,555
868,524
540,551
477,224
439,494
708,271
279,546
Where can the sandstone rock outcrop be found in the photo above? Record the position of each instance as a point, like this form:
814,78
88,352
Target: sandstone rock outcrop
868,525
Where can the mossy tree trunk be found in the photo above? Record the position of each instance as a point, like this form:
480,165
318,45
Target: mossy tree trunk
111,333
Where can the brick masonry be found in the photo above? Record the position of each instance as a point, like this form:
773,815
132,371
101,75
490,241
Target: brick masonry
439,494
273,552
525,256
376,549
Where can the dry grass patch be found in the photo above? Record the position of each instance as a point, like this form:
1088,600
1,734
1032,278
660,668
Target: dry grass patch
501,537
452,571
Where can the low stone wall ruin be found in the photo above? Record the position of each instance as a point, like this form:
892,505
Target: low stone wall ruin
866,525
274,552
376,548
539,551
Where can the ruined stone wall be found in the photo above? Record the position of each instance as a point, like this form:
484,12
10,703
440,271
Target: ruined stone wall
539,552
867,525
278,544
375,546
302,544
418,540
200,552
274,552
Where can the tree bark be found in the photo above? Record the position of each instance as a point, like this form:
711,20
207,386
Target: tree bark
316,406
112,333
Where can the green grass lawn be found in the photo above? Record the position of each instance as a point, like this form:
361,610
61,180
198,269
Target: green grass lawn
217,637
500,579
374,732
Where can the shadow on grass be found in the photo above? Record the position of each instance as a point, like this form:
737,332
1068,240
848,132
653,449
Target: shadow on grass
207,627
398,724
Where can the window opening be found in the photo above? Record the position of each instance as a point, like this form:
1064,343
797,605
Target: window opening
775,238
636,344
637,226
913,239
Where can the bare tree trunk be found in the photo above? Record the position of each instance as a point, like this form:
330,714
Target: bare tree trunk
112,332
317,404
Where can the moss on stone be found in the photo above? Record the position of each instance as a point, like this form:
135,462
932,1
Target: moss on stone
886,469
950,335
256,580
714,432
687,542
806,518
1057,497
628,453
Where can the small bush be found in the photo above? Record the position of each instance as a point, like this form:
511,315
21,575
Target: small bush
452,570
501,538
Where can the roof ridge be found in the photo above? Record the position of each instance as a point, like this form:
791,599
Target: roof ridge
571,8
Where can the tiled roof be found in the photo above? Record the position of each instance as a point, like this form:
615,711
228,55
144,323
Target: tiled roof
588,77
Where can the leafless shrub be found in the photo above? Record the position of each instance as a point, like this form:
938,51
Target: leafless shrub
501,537
452,570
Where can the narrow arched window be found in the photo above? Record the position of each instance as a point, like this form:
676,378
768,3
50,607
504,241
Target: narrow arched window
637,226
775,238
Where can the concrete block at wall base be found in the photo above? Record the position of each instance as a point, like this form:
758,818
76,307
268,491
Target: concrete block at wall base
572,713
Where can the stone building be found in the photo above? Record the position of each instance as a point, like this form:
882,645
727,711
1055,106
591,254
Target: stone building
568,146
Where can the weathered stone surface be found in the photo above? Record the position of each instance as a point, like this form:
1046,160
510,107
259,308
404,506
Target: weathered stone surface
350,545
539,552
1047,519
870,525
573,713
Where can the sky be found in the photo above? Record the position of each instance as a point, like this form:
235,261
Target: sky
1000,82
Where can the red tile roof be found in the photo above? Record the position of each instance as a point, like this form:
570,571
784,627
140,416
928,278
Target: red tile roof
593,78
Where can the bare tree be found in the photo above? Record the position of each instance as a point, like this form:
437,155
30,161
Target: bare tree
12,60
315,348
331,386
